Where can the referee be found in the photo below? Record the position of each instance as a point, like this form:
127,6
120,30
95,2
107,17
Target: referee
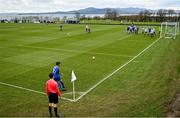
52,92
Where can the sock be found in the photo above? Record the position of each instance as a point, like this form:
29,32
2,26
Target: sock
55,110
50,112
62,84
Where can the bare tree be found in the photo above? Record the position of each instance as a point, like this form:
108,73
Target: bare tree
145,15
171,12
114,15
111,14
108,14
162,14
64,19
77,15
56,19
141,16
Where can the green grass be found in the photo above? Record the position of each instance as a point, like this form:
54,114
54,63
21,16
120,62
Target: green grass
115,22
28,53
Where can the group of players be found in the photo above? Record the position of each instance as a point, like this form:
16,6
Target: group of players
132,29
150,31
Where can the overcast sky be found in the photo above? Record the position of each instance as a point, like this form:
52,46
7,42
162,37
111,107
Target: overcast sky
66,5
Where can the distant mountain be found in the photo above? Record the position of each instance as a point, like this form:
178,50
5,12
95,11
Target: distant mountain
177,11
129,10
92,10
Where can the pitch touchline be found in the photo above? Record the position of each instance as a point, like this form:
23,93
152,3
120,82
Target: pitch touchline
111,74
31,90
76,51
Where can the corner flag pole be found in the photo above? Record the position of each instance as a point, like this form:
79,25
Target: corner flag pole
74,97
73,78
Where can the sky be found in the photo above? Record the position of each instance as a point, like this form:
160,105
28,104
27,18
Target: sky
8,6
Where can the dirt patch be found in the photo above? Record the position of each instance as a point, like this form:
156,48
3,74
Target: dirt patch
173,107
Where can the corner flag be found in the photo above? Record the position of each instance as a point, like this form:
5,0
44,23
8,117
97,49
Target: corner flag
73,76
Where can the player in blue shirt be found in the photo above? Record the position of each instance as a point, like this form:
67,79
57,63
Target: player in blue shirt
57,76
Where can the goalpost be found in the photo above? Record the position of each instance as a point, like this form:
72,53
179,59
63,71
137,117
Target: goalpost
169,30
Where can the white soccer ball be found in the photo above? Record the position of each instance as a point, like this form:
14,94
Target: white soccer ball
93,57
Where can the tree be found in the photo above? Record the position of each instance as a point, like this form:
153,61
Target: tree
111,14
161,13
77,15
144,15
141,16
147,15
64,19
114,15
108,14
56,19
170,13
83,17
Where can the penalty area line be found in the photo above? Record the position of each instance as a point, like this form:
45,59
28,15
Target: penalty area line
31,90
115,71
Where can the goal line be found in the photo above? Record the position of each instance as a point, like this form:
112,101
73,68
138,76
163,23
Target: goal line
115,71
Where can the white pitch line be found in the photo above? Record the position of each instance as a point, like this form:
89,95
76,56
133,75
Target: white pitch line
111,74
72,93
31,90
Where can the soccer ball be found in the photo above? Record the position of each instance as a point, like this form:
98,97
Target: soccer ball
93,57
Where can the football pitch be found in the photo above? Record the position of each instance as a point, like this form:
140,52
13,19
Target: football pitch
131,75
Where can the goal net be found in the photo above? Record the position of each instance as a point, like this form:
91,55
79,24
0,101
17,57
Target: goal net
169,30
